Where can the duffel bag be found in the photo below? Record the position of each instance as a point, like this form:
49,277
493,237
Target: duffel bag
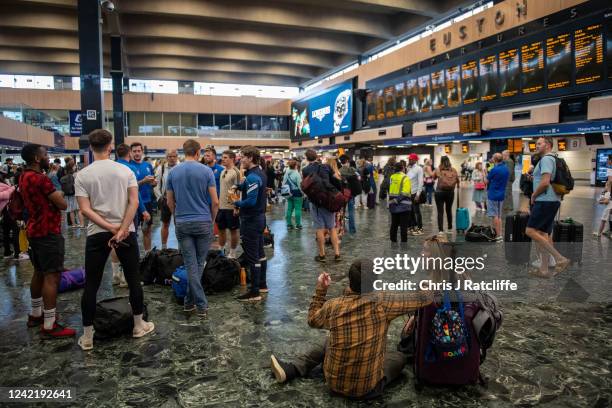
221,273
147,268
480,233
167,261
72,280
114,318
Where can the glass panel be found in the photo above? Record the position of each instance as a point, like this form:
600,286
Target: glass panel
7,81
136,124
222,121
109,122
238,122
172,124
189,124
269,123
253,122
206,121
283,123
185,87
154,123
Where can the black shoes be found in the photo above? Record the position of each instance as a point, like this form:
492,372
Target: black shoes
249,297
282,371
320,258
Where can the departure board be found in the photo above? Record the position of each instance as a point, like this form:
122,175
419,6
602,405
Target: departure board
532,67
380,105
453,87
559,61
509,73
389,102
438,90
469,123
488,78
400,99
371,100
469,82
589,54
412,96
424,93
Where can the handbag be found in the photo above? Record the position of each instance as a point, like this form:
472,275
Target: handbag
291,191
285,190
479,185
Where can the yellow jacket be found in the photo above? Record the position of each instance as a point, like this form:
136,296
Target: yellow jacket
396,184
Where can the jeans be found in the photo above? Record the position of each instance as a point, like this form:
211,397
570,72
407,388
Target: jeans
445,198
351,215
251,233
429,188
96,254
401,221
294,204
194,241
417,218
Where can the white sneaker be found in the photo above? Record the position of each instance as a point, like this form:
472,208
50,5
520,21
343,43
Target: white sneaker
85,343
146,328
23,257
122,282
596,234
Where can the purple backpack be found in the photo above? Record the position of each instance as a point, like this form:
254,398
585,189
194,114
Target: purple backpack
72,280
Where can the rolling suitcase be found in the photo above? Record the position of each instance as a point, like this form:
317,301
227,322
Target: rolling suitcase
517,245
568,236
371,200
462,218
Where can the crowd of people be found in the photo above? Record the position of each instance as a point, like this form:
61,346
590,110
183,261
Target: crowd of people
205,200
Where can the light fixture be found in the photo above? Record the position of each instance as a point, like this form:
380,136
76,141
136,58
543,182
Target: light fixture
528,139
456,141
475,141
431,144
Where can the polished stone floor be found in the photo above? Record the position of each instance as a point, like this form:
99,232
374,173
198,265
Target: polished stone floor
553,350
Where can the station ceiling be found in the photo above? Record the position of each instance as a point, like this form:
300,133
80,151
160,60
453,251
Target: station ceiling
265,42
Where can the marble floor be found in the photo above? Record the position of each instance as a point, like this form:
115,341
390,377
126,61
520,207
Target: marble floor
553,349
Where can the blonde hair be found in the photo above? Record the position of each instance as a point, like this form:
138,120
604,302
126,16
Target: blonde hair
333,163
436,247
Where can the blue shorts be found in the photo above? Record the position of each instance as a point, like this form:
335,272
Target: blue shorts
322,218
542,216
494,208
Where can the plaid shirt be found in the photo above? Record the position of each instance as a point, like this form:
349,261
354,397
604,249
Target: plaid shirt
357,327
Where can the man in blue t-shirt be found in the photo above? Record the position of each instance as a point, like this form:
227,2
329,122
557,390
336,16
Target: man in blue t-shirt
544,206
192,198
146,181
496,191
210,159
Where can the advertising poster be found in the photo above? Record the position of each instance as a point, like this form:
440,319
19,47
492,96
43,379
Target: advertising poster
332,112
76,123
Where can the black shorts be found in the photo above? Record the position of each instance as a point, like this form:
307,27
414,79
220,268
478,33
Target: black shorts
164,211
226,220
47,253
542,216
149,208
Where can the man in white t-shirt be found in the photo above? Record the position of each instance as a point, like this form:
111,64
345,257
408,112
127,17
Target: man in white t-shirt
108,196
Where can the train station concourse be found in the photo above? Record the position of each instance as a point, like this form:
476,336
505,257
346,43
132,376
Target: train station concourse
301,203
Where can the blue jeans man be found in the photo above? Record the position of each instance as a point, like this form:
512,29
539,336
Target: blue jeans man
194,241
351,215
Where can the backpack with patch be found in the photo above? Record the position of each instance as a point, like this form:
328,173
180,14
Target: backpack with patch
67,183
563,181
449,337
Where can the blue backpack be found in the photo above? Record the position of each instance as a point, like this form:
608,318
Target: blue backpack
449,337
179,284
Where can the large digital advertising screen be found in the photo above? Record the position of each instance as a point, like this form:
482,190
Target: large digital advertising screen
326,114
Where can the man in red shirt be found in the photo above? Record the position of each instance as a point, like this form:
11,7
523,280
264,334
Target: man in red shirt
43,205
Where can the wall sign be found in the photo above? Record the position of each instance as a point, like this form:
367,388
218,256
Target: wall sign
76,123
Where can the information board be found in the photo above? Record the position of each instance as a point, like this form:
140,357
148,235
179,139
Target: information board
389,93
453,87
380,105
371,100
532,67
424,84
589,54
509,73
412,96
400,99
438,90
469,123
488,78
559,61
469,82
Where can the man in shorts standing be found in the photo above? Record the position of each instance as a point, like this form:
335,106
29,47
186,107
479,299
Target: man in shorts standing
228,218
497,179
44,205
544,206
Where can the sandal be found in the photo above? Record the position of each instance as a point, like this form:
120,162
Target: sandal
536,272
561,266
146,328
85,344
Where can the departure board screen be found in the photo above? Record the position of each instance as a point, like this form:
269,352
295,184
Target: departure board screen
488,78
469,123
589,54
425,93
559,61
532,61
371,100
380,105
412,96
509,73
400,99
438,90
389,102
469,82
453,87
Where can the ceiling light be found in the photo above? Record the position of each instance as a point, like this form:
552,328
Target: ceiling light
475,141
526,138
456,141
431,144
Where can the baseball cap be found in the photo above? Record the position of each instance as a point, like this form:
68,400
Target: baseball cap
413,156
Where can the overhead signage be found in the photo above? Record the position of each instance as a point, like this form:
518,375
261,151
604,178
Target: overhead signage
76,123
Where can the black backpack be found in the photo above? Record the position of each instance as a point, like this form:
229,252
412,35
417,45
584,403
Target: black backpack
563,182
480,233
365,181
158,266
67,183
221,274
114,318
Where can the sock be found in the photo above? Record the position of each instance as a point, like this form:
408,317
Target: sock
115,267
164,246
88,332
37,307
138,322
49,318
232,252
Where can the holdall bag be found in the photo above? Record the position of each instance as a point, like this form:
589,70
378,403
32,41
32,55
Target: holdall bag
517,245
180,284
167,261
114,318
147,267
568,236
72,280
480,233
221,274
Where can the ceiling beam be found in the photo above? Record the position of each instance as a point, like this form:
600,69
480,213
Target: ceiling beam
427,8
46,18
38,38
268,13
40,68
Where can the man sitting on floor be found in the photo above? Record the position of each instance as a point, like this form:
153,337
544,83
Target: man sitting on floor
354,357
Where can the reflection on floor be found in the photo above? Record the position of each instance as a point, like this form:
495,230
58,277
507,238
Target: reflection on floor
550,350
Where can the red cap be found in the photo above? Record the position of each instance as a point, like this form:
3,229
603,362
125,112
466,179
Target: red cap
413,156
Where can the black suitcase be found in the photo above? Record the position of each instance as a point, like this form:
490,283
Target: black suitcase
517,245
568,236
